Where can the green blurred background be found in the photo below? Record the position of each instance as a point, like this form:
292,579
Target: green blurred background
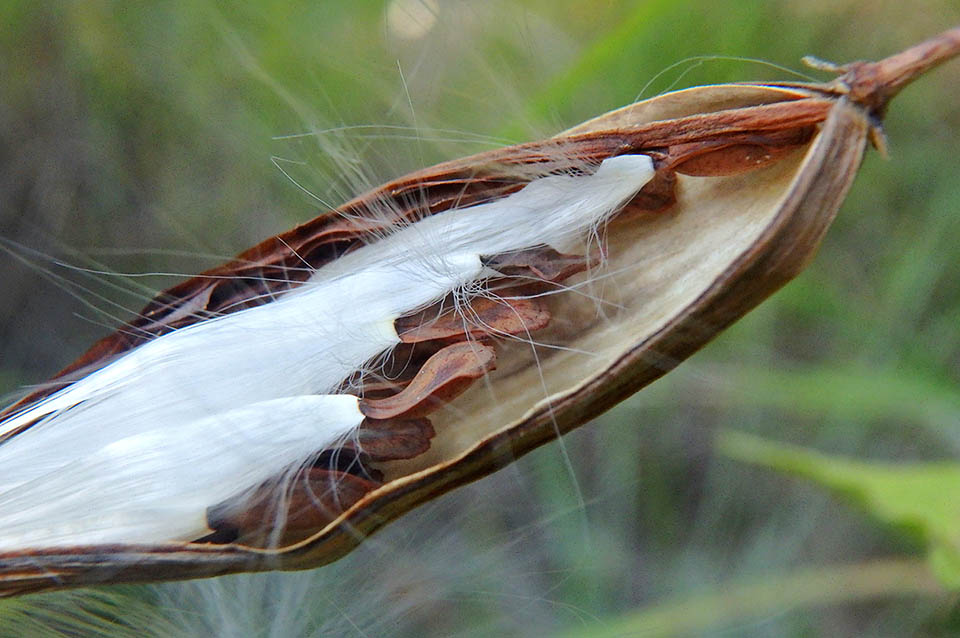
143,138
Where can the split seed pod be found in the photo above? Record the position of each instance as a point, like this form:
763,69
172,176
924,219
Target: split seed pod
745,180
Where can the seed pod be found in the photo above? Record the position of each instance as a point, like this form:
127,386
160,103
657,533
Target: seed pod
747,180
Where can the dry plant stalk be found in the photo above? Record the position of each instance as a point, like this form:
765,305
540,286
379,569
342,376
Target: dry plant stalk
744,181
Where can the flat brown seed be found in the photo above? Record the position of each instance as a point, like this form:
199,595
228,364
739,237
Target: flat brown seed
733,157
444,376
392,439
542,264
481,317
280,514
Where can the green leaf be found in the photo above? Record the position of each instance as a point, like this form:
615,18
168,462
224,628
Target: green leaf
919,497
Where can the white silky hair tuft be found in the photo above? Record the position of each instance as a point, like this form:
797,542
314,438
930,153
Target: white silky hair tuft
239,447
175,400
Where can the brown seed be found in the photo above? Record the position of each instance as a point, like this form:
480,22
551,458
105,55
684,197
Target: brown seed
310,500
482,317
443,377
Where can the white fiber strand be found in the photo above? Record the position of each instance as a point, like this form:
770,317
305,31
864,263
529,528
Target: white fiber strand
176,399
246,446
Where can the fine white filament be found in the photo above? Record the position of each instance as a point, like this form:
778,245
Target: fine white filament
136,452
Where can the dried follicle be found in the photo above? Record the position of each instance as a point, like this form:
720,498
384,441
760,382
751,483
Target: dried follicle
741,182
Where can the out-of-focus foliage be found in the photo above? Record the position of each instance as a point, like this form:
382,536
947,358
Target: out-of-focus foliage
162,137
920,498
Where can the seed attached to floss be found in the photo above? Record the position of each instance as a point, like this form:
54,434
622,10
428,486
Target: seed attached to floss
264,415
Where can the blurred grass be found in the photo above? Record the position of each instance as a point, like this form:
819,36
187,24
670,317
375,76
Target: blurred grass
738,605
140,138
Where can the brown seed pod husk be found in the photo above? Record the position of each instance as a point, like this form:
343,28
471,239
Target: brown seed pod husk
750,178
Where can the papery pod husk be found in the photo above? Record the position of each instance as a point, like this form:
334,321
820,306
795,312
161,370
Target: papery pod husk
678,277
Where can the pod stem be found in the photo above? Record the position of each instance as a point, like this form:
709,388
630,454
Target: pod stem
873,84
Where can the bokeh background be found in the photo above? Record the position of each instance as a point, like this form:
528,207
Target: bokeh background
138,139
